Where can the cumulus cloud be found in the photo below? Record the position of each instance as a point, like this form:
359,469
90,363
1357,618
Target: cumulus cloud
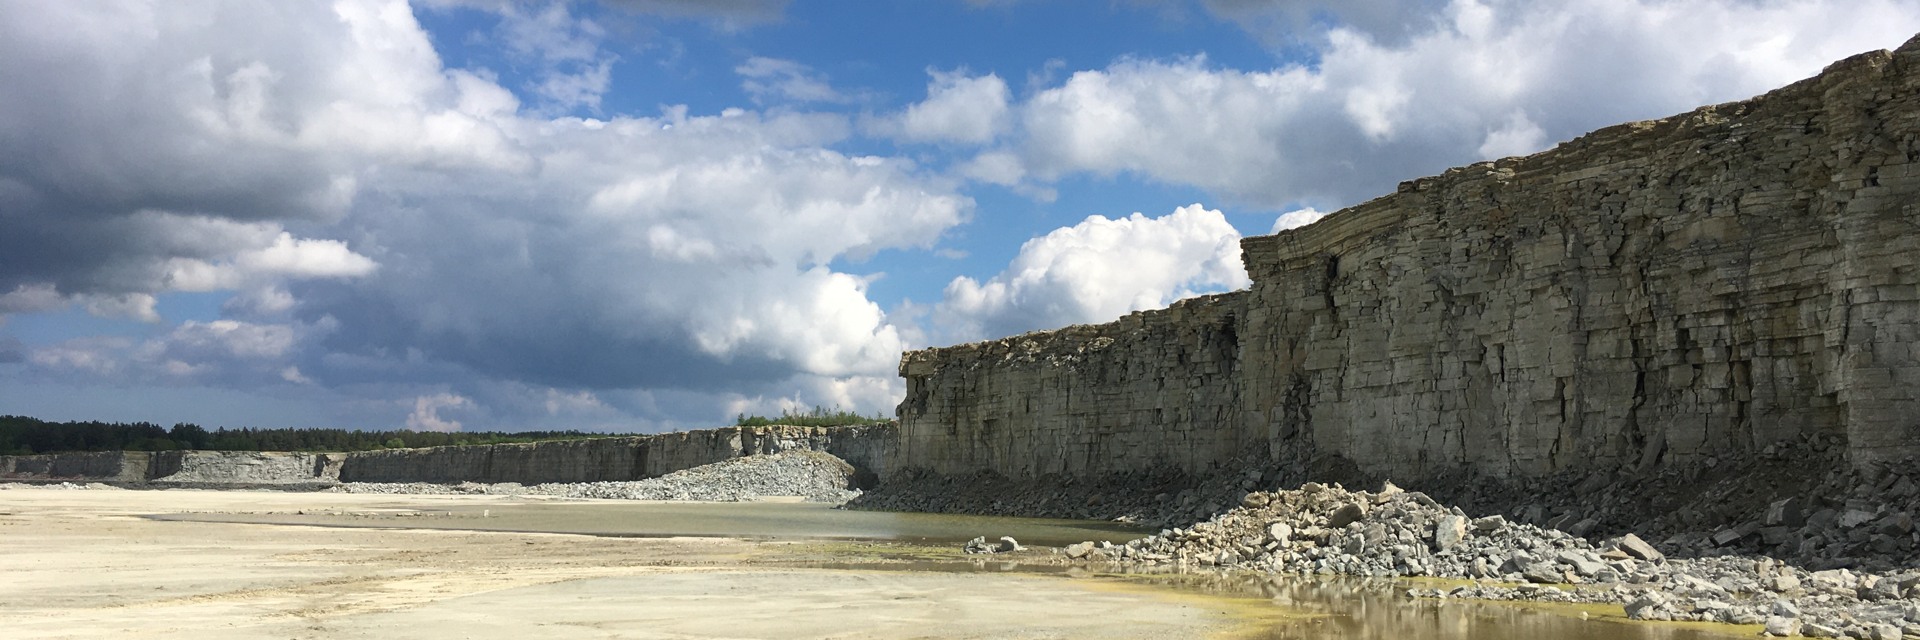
572,69
99,356
28,298
1297,218
1098,270
200,132
426,412
135,306
434,245
226,353
467,238
1471,80
959,108
285,258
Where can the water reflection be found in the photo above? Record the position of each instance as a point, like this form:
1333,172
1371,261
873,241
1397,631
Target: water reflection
660,519
1379,609
1278,607
1318,608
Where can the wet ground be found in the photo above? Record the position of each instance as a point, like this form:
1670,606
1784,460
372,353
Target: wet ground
752,520
818,537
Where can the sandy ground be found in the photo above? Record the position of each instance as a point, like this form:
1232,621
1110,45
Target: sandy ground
84,564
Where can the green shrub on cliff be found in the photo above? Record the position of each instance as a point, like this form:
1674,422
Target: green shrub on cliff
816,417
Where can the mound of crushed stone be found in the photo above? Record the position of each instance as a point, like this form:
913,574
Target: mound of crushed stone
813,475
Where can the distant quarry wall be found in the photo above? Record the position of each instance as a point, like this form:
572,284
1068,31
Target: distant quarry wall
606,459
867,448
183,467
1657,292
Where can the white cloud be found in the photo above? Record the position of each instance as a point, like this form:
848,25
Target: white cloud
1517,136
771,80
30,298
683,250
1098,270
1296,219
559,402
233,338
293,375
285,258
426,412
959,108
95,356
994,167
398,230
259,301
1400,96
135,306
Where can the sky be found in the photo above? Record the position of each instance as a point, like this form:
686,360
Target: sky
651,215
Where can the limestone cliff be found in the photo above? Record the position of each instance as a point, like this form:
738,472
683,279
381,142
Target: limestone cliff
867,448
1655,292
604,459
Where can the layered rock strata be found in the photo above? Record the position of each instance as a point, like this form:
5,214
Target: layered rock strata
179,467
867,448
1660,292
614,459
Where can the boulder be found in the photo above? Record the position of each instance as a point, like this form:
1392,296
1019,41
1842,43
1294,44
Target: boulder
1644,607
1638,548
1542,573
1584,563
1787,512
1280,532
1347,514
1854,517
1448,532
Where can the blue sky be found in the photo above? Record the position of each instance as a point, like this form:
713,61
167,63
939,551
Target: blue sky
650,215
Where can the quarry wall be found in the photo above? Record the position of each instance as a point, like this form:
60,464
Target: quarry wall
867,448
216,467
1659,292
612,459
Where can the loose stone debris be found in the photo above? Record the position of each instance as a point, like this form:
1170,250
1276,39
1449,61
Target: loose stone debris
1328,529
1006,544
816,476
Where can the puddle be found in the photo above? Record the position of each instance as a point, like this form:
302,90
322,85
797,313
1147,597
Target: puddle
753,520
1271,607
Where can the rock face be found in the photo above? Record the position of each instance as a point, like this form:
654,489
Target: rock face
813,475
192,467
1156,389
867,448
591,460
1659,292
616,459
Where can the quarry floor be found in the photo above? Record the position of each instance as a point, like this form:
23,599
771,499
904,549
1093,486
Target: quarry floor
87,564
152,564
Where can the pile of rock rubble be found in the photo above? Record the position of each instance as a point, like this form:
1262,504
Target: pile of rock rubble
816,476
1322,529
68,486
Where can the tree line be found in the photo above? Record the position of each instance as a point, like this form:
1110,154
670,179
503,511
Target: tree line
22,435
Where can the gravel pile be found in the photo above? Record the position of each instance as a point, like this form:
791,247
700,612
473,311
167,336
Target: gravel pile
90,486
816,476
1321,529
1795,501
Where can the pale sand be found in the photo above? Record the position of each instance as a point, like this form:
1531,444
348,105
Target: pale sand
83,564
